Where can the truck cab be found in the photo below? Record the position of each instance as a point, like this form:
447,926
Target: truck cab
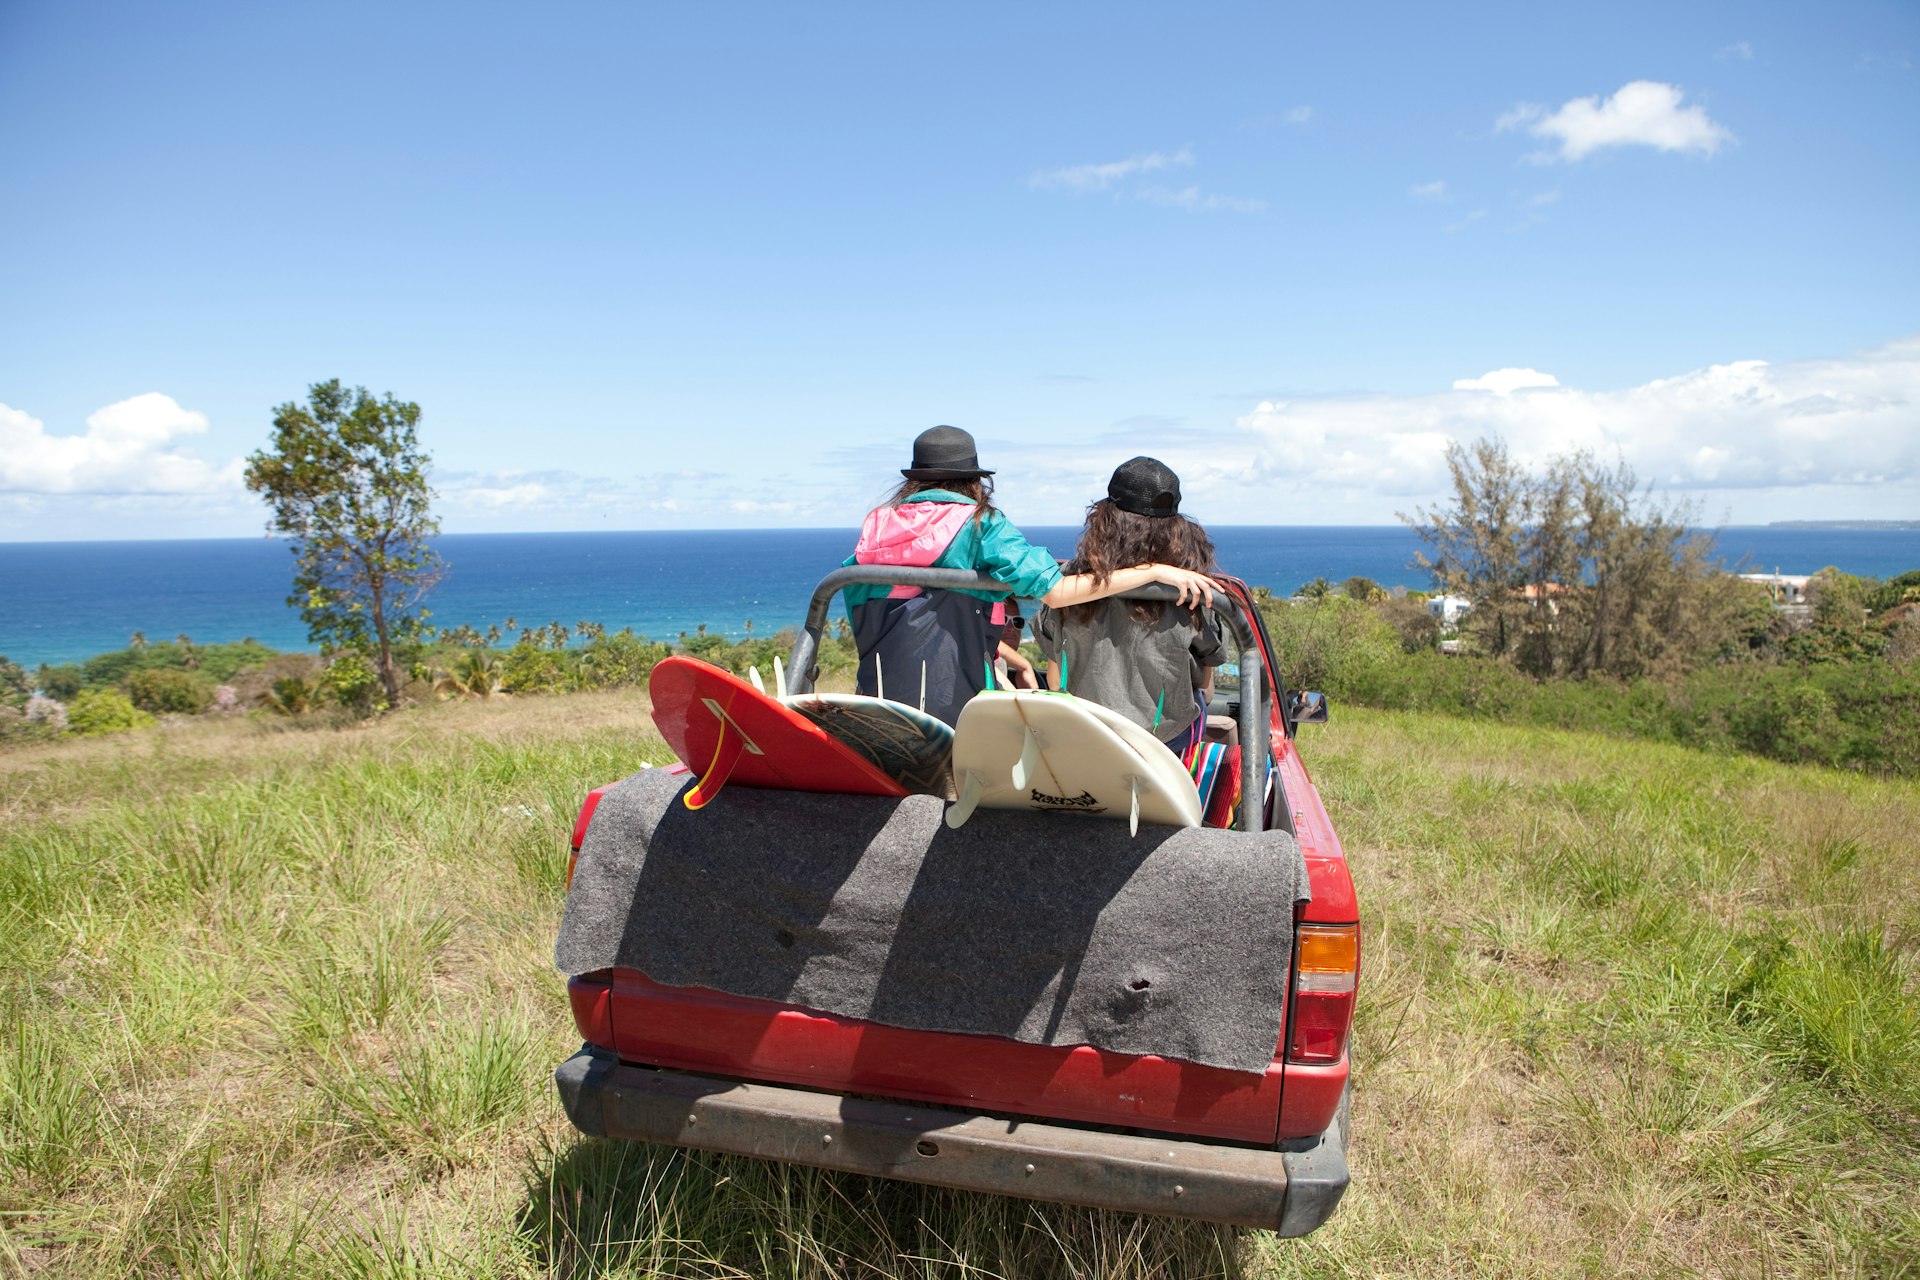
1073,1123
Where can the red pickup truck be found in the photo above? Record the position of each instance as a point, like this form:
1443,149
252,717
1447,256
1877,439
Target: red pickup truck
1070,1123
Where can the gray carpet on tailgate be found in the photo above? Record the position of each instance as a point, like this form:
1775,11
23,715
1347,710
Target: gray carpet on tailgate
1047,928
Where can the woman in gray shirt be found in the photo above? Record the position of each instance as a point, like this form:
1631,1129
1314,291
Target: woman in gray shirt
1151,661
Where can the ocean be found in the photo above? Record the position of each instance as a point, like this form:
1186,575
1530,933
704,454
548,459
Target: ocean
65,601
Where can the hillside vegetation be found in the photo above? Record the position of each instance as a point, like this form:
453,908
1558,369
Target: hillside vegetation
279,1003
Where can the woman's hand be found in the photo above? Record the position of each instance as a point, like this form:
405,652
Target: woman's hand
1195,589
1019,670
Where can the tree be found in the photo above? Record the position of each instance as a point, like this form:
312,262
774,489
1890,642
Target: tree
1577,570
345,478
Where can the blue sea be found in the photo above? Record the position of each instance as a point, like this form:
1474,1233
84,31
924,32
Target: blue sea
65,601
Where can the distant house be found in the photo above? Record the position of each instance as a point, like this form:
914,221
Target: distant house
1448,609
1787,589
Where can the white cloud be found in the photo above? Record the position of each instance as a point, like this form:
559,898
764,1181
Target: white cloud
1298,115
131,446
1505,382
1545,198
1747,424
1103,177
1739,49
1435,190
1644,113
1193,200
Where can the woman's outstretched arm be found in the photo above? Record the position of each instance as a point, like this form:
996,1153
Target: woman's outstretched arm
1082,588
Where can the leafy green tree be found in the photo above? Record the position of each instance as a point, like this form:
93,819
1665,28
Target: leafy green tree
346,479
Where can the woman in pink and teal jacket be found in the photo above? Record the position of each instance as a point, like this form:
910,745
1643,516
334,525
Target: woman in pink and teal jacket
936,648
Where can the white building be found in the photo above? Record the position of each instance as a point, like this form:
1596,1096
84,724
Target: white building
1786,588
1448,609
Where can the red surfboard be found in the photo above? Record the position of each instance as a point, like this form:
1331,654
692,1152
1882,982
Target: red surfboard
727,731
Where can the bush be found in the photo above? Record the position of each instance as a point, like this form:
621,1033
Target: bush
62,682
531,669
105,711
16,727
1331,643
15,688
164,691
351,682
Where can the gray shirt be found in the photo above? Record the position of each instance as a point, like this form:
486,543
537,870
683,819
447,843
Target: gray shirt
1133,667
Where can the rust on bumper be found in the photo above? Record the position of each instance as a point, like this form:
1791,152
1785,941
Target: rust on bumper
1291,1192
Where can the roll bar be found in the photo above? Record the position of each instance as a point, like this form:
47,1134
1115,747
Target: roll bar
803,666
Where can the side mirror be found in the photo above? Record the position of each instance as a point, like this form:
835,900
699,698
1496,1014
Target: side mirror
1307,707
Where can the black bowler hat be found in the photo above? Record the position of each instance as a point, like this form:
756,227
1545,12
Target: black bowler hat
944,453
1146,487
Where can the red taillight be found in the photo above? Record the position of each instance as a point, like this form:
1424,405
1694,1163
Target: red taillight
1323,992
592,999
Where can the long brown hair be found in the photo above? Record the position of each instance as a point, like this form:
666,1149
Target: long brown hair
980,489
1114,539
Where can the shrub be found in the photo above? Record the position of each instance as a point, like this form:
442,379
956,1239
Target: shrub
531,669
1331,643
105,711
351,682
164,691
62,682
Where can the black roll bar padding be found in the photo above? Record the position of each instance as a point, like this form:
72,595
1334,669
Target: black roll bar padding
803,665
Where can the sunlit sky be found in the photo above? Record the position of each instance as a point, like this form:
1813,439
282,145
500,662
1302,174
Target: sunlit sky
698,266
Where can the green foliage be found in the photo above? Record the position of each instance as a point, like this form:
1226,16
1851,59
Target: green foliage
167,691
346,480
1330,643
15,687
1856,715
293,695
63,682
528,668
218,663
105,711
350,681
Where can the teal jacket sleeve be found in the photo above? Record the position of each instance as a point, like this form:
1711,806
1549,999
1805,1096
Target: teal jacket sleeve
1007,555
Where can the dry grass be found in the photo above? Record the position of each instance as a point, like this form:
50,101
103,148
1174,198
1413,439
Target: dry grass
278,1003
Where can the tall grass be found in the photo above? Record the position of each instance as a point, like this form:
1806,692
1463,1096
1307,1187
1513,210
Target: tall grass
279,1003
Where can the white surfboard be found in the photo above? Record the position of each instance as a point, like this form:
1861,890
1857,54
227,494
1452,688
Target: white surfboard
1052,752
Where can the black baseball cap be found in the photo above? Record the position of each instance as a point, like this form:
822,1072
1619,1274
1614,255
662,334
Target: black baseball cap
1146,487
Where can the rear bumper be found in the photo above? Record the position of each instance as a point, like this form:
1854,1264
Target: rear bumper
1290,1192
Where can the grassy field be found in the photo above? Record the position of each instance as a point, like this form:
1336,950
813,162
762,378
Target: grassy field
278,1002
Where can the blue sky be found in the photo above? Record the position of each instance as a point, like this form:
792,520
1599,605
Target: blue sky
686,266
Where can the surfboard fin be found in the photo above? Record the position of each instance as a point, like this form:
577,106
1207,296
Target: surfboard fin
727,750
779,678
1029,758
726,754
1133,814
753,674
971,789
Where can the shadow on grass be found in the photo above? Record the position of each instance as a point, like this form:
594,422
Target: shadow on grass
599,1208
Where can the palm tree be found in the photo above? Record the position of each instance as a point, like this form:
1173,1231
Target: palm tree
475,674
